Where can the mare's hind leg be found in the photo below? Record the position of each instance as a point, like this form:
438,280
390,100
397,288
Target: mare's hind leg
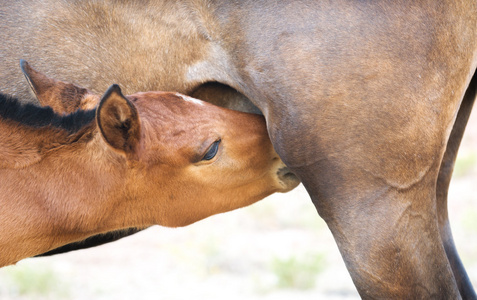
445,173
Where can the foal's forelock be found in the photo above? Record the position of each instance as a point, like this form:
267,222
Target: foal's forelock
37,117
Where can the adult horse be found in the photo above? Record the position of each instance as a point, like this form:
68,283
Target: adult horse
365,101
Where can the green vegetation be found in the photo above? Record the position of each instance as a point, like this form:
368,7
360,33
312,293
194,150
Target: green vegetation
298,272
469,221
35,282
464,164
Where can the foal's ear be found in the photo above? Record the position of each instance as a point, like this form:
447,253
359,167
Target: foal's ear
63,97
118,121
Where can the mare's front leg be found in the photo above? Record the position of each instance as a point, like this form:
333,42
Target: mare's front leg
445,174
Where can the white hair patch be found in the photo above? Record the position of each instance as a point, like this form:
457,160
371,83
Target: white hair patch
190,99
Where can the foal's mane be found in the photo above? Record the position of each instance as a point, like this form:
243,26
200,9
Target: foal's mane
37,116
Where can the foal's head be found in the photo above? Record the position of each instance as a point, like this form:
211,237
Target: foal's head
186,159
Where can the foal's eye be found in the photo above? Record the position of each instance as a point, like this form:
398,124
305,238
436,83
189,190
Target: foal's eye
212,151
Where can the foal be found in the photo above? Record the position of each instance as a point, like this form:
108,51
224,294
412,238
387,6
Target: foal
134,161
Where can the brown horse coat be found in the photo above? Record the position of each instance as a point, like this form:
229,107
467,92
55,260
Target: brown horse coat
135,161
360,99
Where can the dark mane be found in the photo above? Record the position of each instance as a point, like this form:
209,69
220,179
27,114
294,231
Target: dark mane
37,116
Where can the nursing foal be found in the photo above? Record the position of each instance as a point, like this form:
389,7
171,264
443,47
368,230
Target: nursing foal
134,161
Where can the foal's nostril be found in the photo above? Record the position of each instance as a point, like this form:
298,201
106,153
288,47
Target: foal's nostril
285,174
287,179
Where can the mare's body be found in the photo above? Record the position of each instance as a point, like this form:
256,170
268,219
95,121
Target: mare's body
360,100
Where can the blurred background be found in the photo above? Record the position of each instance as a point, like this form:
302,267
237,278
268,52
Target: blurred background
278,248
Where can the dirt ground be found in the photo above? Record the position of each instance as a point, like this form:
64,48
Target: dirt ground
276,249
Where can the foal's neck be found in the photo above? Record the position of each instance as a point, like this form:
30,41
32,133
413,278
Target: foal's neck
56,187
